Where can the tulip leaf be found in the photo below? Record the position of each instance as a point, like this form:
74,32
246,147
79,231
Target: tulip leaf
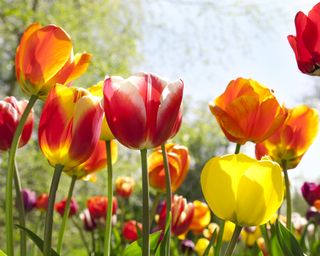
134,249
2,253
288,243
36,239
162,249
212,239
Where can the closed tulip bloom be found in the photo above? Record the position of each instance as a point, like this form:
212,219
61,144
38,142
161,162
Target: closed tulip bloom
29,199
179,162
88,222
97,206
201,217
143,111
241,189
42,202
97,90
201,246
311,192
60,207
124,186
96,162
247,111
293,139
69,127
45,57
306,42
227,232
182,213
129,230
11,111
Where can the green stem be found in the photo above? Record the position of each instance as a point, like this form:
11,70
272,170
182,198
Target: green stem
168,199
49,216
266,237
155,203
10,174
21,210
221,230
84,241
66,214
93,241
233,241
145,204
219,239
288,194
107,236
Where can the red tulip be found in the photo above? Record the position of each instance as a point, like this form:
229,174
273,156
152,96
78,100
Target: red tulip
88,222
60,207
182,214
144,110
45,57
42,202
124,186
11,111
311,192
98,205
129,230
69,127
306,44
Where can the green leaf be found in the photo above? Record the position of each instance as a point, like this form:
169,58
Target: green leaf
2,253
36,239
162,249
288,243
275,247
213,238
134,249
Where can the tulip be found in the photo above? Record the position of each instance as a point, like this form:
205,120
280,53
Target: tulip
311,192
227,231
124,186
96,162
10,113
179,162
97,206
202,245
69,126
88,222
60,207
187,246
45,57
129,230
42,202
143,111
252,190
306,43
247,111
97,90
293,139
250,235
201,217
29,199
182,213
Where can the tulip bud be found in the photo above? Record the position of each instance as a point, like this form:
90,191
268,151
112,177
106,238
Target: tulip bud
42,202
29,199
201,217
98,205
187,246
124,186
311,192
129,230
60,207
202,245
88,222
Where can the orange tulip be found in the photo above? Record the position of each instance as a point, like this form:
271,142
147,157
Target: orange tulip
201,217
69,127
124,186
179,161
45,57
291,142
248,111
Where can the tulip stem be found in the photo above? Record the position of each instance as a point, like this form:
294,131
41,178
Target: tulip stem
21,210
234,240
145,204
155,203
10,174
266,237
168,199
49,216
107,236
83,239
237,150
66,214
288,194
219,239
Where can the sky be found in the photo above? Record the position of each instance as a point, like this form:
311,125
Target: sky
207,43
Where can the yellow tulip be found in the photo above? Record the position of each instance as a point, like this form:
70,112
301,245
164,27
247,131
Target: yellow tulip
241,189
202,245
